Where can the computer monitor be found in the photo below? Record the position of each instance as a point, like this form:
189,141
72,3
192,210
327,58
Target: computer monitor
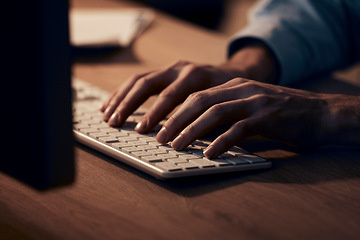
37,141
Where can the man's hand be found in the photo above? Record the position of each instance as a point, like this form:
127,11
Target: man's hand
294,116
215,95
173,83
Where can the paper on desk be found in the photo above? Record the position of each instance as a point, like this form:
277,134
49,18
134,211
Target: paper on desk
107,27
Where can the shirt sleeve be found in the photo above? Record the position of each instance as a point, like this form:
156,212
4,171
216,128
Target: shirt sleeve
307,37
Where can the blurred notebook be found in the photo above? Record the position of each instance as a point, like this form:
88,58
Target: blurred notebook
107,27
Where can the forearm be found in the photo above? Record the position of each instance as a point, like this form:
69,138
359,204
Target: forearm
342,120
254,61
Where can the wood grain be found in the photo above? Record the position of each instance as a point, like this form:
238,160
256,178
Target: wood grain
305,195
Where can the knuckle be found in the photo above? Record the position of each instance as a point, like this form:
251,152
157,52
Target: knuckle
261,99
135,77
179,62
191,128
199,71
239,80
250,85
239,127
145,82
173,123
194,68
199,98
171,120
218,109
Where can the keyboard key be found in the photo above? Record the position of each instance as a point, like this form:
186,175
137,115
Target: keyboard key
152,158
131,149
167,155
252,158
166,147
118,134
202,163
200,144
189,156
177,160
147,139
188,165
90,121
139,143
108,139
141,153
98,134
121,145
168,166
109,130
148,147
89,130
158,151
100,125
178,153
199,153
236,150
220,162
129,139
235,160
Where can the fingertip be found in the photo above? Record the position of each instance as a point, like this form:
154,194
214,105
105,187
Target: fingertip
105,117
102,108
179,143
113,120
161,137
210,152
141,127
108,113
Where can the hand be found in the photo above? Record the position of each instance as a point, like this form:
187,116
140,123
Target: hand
176,81
173,83
294,116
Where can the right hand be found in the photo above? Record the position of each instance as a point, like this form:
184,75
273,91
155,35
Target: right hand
174,83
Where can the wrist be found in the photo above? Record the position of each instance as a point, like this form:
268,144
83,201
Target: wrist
254,60
341,123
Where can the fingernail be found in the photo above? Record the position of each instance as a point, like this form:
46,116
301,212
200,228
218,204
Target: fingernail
161,137
114,119
210,152
141,126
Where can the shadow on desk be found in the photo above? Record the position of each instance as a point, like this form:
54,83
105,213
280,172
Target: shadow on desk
300,168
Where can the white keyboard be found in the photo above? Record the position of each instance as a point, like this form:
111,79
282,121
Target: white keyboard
142,151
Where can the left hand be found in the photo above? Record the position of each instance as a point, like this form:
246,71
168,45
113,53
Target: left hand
253,108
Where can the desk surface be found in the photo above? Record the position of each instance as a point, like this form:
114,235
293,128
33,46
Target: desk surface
313,195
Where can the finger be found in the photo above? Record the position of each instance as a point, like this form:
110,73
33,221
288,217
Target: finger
143,88
219,114
108,100
116,97
191,78
237,133
215,116
148,84
195,105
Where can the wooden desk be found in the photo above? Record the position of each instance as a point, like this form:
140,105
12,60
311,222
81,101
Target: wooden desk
314,195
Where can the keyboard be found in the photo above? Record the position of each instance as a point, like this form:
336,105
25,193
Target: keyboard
142,151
